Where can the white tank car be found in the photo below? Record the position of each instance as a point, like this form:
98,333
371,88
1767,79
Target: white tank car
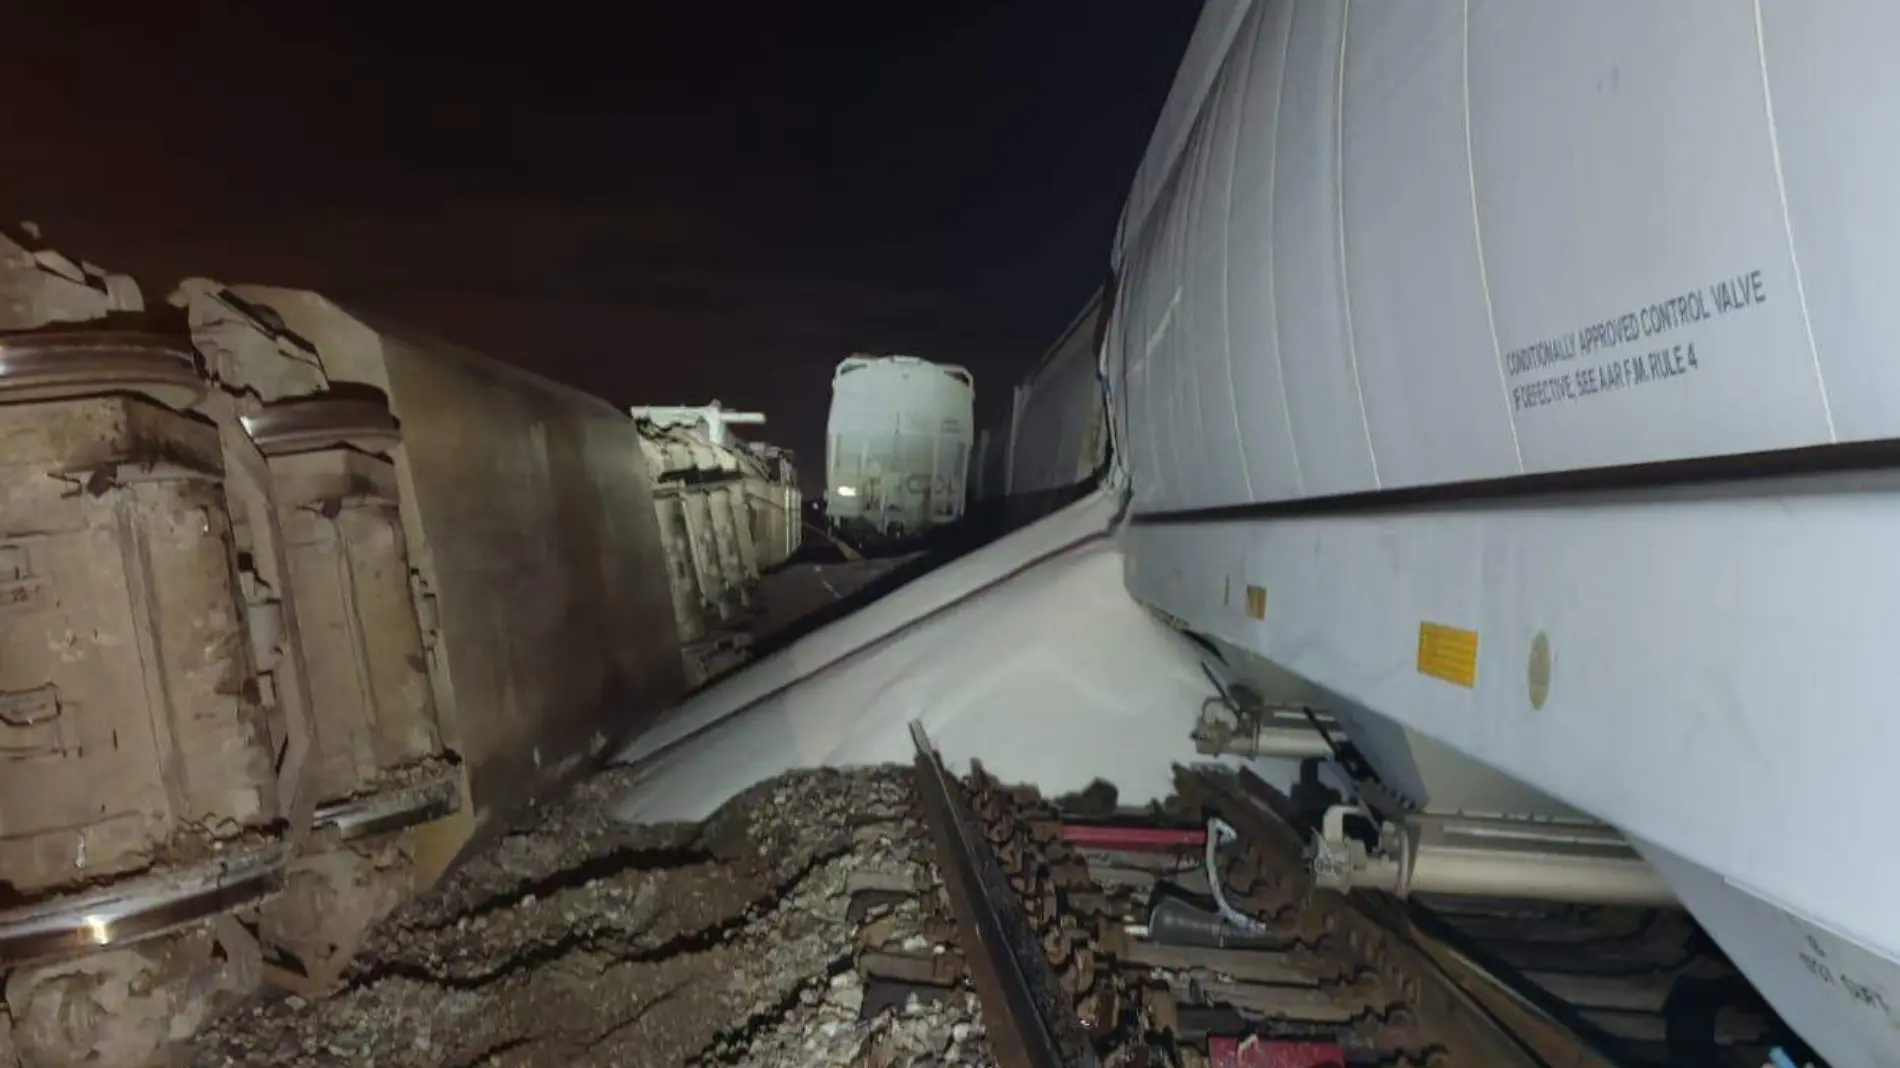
897,449
1519,377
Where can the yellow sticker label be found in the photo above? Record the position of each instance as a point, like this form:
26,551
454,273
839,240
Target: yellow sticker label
1448,653
1256,602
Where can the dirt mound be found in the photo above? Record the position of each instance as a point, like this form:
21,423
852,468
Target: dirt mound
576,941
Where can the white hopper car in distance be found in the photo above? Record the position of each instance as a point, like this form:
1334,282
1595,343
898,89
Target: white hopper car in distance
897,446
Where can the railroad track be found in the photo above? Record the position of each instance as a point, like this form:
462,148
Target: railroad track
1130,943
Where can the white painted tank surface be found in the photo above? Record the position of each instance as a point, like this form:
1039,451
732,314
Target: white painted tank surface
1408,292
1055,437
898,441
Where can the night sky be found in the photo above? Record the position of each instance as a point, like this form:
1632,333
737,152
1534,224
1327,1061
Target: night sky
656,202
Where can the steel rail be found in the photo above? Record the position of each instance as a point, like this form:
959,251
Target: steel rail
139,907
1030,1024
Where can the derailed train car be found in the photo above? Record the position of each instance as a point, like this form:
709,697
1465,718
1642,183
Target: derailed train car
729,511
1055,434
295,608
1515,381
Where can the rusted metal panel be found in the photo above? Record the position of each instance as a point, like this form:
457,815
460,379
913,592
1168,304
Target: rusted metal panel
531,526
138,794
117,752
39,285
362,643
152,741
555,610
777,506
333,620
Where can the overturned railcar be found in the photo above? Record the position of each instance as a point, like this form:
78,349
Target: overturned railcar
1514,381
292,609
729,511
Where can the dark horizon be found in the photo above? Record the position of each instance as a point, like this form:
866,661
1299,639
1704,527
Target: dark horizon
687,206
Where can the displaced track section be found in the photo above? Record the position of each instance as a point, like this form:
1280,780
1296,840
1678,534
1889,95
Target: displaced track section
902,917
1402,1000
1030,1023
1578,986
1188,934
